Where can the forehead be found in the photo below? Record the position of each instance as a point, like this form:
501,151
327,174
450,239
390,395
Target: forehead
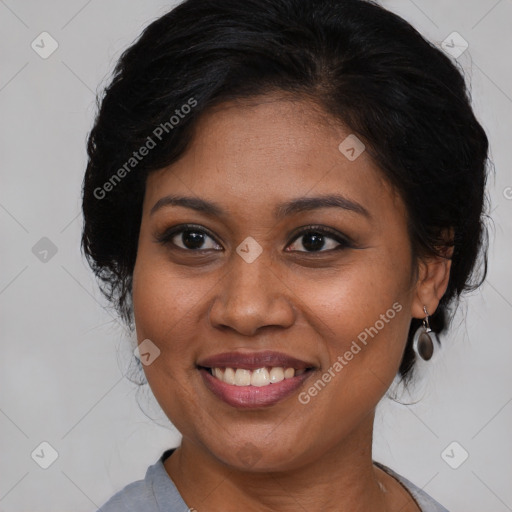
268,150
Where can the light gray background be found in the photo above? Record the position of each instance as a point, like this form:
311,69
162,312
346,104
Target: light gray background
63,355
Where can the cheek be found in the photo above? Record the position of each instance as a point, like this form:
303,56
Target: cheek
164,306
163,301
365,311
160,307
367,319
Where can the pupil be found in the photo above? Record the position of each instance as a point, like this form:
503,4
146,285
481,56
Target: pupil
313,241
192,239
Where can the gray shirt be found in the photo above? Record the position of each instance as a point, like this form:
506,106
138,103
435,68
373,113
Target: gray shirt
157,493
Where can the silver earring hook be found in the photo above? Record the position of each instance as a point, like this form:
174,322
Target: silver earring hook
426,323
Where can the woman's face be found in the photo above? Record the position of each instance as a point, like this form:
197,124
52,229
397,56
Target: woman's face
269,279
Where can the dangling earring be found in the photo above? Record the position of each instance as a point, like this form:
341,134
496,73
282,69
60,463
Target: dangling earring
422,343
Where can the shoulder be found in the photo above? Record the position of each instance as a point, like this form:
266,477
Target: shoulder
134,497
424,500
155,493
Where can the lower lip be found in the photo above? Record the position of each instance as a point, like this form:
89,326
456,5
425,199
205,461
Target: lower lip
250,397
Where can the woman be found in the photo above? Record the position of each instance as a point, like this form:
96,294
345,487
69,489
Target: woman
282,198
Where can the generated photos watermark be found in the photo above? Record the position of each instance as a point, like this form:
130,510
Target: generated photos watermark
342,360
151,142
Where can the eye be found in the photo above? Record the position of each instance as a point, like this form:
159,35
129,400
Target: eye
189,238
318,239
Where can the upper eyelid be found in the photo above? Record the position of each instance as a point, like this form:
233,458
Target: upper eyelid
298,232
330,232
171,232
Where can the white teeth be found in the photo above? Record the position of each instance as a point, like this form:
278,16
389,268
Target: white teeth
259,377
242,377
276,375
229,376
291,372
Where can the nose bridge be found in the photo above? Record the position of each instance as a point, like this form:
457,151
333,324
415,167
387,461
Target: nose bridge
251,282
251,296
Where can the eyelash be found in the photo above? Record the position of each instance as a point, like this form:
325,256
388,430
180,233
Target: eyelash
166,237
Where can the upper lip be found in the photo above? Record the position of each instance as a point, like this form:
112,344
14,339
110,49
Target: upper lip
253,360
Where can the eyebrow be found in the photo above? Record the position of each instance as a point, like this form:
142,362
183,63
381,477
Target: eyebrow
304,204
282,210
200,205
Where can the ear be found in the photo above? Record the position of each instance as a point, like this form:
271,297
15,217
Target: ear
433,277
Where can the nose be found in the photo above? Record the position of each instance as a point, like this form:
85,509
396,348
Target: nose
252,296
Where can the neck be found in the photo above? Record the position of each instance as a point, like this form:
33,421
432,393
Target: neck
343,478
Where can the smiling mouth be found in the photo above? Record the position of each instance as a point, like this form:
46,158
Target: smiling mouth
259,377
253,379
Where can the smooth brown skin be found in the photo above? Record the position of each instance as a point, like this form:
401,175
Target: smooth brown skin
248,157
